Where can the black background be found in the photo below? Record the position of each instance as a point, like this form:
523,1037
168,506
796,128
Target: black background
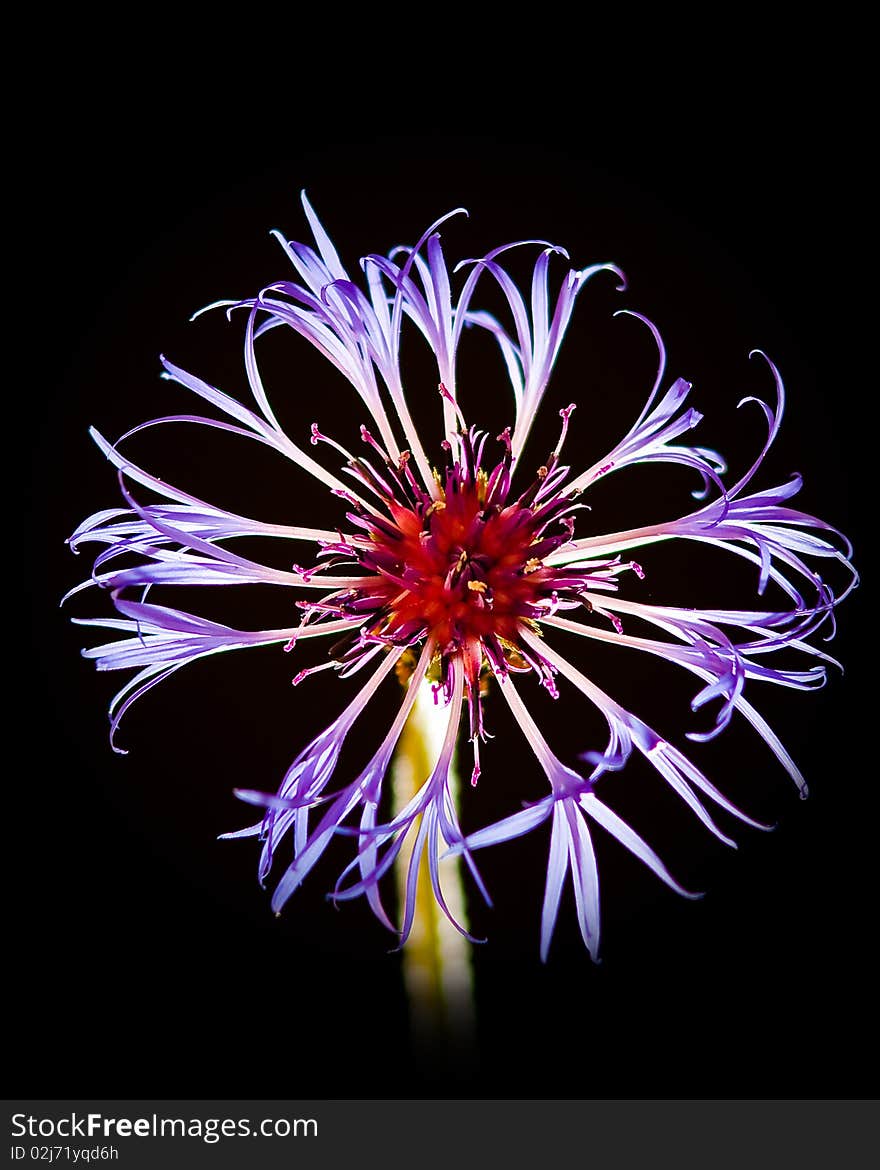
143,956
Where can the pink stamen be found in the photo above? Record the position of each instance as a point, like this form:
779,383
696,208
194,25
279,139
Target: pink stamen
565,414
319,437
368,438
347,496
303,674
444,393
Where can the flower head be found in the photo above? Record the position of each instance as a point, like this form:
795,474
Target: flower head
457,563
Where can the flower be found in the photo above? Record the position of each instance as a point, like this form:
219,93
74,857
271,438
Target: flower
450,567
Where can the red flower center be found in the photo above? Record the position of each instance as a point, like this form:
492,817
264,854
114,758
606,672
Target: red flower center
462,573
464,567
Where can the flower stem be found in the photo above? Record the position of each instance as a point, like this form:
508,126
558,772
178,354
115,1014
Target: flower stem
437,968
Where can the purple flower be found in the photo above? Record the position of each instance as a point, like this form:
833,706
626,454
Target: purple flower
457,562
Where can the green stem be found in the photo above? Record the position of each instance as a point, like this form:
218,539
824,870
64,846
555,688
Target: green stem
437,969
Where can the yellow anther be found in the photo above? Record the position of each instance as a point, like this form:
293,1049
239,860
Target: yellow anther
482,484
